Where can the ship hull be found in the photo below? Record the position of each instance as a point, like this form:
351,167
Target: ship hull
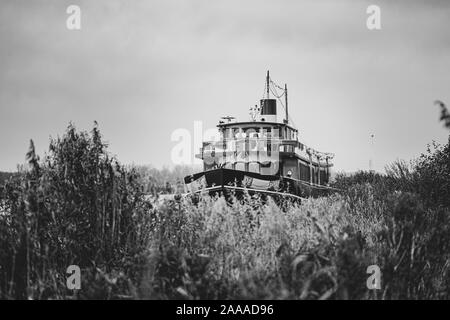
227,181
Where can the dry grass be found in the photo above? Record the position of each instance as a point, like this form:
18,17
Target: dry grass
80,206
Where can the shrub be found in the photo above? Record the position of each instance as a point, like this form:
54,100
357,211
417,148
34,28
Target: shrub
77,206
80,206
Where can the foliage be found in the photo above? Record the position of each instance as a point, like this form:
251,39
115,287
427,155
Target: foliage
4,176
77,206
165,180
445,114
80,206
413,202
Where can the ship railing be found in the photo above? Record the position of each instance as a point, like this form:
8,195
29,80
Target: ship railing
262,144
252,145
227,144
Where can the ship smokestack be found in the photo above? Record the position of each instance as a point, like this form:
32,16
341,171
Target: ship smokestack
269,110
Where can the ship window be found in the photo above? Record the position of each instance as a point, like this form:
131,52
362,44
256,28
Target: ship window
289,134
251,133
304,172
253,145
323,176
235,132
228,133
253,167
240,166
276,133
238,133
315,172
267,131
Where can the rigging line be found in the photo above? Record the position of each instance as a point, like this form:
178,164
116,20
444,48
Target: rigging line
278,96
281,102
275,84
281,88
276,93
279,99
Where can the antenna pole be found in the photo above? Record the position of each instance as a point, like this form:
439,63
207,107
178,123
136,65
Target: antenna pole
372,153
286,102
267,83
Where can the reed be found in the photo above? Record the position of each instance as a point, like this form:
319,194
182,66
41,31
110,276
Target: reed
79,205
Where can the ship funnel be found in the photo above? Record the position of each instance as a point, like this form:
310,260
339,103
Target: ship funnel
269,110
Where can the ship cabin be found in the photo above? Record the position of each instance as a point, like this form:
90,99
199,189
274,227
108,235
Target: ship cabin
267,147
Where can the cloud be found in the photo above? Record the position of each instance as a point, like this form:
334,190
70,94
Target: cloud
145,68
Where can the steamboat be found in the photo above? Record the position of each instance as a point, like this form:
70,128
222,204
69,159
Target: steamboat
262,156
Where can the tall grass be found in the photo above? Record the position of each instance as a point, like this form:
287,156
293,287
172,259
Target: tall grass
78,205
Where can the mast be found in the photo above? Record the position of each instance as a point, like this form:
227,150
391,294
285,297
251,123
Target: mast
267,83
286,103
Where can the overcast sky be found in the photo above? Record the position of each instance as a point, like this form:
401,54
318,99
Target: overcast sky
145,68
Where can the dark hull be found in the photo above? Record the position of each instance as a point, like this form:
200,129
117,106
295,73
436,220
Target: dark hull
228,180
